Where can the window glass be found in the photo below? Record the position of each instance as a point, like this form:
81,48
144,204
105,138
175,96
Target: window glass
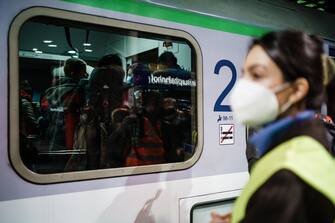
97,97
202,212
332,52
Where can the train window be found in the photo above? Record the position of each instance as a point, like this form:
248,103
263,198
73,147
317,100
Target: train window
112,96
202,212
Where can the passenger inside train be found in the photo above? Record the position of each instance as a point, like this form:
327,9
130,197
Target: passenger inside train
28,124
61,103
294,178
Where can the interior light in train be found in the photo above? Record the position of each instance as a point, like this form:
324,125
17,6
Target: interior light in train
311,5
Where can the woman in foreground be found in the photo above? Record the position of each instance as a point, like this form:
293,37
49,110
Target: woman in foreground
285,80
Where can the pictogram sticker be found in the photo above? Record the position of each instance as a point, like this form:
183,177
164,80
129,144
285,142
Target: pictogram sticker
226,134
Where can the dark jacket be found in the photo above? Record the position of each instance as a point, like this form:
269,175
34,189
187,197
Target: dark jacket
62,104
285,191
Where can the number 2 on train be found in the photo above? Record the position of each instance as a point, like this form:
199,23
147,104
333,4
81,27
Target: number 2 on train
218,107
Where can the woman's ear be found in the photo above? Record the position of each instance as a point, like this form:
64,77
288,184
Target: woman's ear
301,88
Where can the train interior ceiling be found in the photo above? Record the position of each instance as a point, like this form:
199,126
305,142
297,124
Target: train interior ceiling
53,43
321,5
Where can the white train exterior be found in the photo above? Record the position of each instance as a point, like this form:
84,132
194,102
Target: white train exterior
219,32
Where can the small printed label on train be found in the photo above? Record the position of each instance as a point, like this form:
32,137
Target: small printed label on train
226,134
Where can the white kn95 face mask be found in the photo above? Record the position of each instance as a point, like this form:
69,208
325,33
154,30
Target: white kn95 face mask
254,104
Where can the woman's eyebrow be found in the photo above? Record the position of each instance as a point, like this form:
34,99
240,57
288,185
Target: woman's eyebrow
254,66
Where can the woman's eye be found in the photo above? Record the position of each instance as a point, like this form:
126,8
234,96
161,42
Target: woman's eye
256,76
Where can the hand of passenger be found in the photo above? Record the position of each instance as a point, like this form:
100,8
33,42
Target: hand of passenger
216,218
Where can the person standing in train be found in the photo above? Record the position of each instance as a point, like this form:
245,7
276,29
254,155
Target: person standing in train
105,94
61,105
281,89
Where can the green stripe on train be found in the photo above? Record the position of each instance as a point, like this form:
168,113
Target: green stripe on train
174,15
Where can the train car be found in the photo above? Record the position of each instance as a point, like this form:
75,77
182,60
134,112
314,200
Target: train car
203,165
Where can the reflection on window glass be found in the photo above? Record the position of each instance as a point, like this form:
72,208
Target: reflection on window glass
95,97
202,213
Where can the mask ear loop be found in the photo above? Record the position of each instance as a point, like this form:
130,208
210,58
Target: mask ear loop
285,107
281,87
288,104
